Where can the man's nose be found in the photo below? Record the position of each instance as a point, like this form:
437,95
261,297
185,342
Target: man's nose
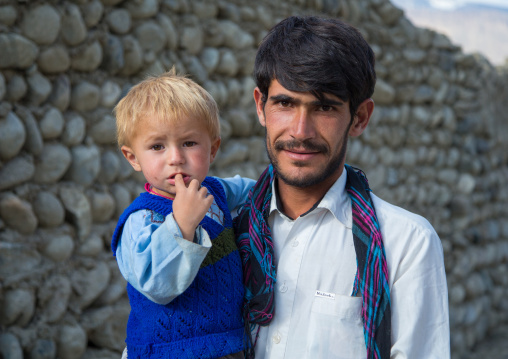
302,126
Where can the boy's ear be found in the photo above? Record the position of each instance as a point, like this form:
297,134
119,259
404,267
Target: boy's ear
362,117
128,153
214,149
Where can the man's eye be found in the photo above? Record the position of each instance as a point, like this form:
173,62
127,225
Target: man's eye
189,143
285,103
156,147
325,108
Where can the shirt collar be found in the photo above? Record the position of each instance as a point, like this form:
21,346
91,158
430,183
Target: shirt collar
336,200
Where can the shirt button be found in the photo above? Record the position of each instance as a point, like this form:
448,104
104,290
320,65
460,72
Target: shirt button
276,338
295,243
284,288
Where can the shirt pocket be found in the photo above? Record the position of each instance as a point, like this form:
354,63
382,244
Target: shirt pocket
336,328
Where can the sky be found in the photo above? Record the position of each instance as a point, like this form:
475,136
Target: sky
453,4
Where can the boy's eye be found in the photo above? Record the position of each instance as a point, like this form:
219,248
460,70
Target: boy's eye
156,147
189,143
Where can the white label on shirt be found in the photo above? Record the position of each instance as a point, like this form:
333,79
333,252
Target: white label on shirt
325,295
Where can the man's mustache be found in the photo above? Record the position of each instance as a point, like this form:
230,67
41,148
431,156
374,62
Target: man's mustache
307,145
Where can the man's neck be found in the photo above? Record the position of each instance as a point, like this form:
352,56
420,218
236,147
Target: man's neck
296,201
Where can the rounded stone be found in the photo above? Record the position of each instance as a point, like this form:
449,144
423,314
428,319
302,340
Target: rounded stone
85,97
74,30
132,55
110,164
119,21
17,307
103,207
122,198
16,171
17,51
228,64
61,94
48,209
92,12
41,24
53,296
52,163
104,131
12,136
210,57
18,214
8,15
16,88
58,247
85,164
151,37
88,284
3,88
191,40
110,94
71,342
39,88
142,9
384,93
240,123
54,59
88,57
51,124
92,246
466,183
113,54
43,349
169,29
234,36
78,209
75,129
10,348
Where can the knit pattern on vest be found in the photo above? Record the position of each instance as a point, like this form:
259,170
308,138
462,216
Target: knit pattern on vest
205,321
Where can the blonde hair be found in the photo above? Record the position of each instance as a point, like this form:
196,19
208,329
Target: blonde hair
167,97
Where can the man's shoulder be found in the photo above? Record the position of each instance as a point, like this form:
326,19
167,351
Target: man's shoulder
390,216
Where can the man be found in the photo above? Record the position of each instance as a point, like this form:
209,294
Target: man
331,270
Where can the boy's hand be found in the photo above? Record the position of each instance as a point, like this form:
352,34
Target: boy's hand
190,206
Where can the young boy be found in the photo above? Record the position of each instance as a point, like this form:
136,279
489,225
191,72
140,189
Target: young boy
174,244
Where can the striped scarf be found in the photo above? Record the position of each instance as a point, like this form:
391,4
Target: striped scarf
255,243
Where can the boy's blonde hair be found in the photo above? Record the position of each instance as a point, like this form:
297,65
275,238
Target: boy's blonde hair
167,97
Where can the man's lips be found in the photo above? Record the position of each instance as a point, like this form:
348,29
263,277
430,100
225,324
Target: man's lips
301,155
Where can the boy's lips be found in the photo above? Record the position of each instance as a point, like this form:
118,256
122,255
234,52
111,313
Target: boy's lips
186,178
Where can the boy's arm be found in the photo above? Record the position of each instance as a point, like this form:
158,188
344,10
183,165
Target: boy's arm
154,257
237,190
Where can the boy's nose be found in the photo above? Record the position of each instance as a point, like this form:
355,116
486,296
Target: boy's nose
175,157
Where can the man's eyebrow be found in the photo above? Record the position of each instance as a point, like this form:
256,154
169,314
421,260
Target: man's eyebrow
327,102
282,97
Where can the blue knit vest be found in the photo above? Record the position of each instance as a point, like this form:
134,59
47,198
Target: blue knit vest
205,321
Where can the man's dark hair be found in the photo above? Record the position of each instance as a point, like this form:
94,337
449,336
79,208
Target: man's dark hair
317,55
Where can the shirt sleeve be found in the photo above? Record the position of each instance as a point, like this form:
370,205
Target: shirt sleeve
237,190
154,257
419,299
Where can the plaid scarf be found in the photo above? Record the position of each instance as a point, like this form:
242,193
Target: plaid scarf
255,243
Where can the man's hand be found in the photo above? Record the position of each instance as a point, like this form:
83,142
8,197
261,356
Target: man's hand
190,206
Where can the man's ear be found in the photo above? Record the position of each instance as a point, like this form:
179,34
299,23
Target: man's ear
214,149
260,106
128,153
362,117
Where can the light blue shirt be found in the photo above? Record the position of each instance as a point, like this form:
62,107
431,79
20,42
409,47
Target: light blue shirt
154,257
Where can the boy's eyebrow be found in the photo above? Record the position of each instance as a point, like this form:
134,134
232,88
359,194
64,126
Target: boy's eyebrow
324,102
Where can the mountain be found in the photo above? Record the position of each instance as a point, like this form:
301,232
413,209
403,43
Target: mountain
476,28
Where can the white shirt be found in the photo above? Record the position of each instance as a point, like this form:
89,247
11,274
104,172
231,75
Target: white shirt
316,253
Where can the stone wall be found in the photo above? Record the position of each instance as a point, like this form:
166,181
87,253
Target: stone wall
435,146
